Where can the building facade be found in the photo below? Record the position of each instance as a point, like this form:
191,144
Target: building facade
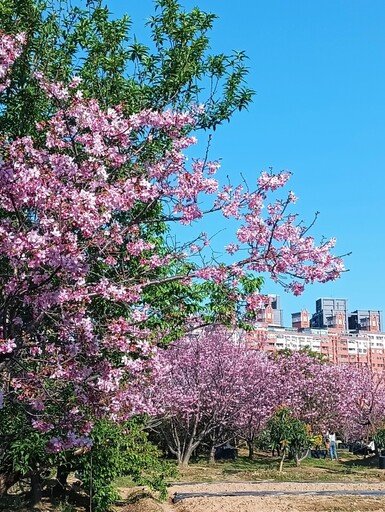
355,338
272,313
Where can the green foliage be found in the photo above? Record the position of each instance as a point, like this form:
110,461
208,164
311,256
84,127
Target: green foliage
379,439
175,70
288,352
22,447
251,284
218,305
174,302
66,507
322,358
263,441
27,452
300,440
120,450
288,434
180,67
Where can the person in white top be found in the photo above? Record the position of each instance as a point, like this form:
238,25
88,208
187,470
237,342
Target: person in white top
331,436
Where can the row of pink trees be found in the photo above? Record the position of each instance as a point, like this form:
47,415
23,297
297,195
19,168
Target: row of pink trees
214,389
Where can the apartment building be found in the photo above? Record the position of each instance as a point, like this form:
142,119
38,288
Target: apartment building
362,345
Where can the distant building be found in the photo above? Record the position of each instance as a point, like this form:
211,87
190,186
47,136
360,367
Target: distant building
366,320
272,313
364,349
330,313
354,338
300,320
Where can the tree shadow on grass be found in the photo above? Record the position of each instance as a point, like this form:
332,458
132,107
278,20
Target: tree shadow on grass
244,464
369,462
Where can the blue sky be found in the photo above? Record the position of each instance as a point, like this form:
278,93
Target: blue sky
319,72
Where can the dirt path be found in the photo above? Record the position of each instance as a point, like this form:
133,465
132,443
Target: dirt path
277,503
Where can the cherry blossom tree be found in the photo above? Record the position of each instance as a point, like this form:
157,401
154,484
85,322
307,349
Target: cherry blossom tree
78,258
214,388
365,401
320,394
202,391
262,398
343,397
312,389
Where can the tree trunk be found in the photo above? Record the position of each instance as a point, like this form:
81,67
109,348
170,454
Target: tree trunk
250,446
7,480
36,488
185,457
212,454
299,459
61,480
282,459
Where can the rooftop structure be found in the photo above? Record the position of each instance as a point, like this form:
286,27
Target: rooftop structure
365,320
330,313
272,314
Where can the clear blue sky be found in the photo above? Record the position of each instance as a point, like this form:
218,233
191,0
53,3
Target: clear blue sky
318,68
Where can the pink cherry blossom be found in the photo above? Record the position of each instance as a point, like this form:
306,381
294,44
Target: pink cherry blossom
78,261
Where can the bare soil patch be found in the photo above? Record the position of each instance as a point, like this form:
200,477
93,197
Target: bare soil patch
282,504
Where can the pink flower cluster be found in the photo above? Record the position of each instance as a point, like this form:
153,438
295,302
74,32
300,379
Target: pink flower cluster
10,50
7,346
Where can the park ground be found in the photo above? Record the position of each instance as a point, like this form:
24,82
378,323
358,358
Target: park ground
350,474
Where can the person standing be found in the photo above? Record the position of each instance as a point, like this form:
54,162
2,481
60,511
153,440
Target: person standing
332,445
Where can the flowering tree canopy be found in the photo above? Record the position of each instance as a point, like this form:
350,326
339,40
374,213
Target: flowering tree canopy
204,388
263,396
213,388
317,392
337,397
365,401
77,259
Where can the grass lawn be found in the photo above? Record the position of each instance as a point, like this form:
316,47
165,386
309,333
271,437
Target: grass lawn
349,468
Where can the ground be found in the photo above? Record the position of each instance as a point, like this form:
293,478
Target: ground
281,503
350,474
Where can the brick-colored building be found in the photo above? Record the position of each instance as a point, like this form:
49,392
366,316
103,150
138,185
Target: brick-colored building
364,346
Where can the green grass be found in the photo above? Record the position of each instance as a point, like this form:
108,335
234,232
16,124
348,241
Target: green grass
349,468
124,481
264,467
